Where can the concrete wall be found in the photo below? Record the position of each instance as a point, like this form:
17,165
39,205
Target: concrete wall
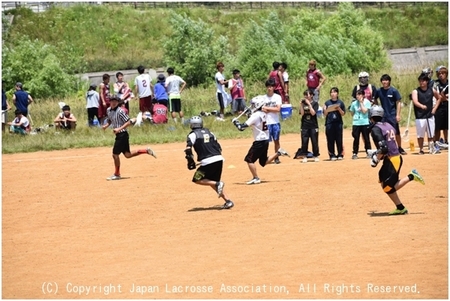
128,75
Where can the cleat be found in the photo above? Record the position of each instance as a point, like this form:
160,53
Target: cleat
219,188
254,181
228,204
114,177
282,152
431,148
276,161
151,152
401,151
340,158
305,160
354,157
398,211
333,158
417,176
316,159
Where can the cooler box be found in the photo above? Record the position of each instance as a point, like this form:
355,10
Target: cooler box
286,111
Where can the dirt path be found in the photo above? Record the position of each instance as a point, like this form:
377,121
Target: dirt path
315,230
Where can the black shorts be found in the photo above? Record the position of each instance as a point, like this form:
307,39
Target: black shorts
389,172
121,144
258,151
394,125
441,117
211,171
175,105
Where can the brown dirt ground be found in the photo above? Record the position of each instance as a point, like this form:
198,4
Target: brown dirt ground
65,228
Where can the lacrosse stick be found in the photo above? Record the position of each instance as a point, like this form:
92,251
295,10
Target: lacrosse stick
406,133
242,114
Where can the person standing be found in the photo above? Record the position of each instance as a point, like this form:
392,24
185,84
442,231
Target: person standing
172,84
334,109
22,99
144,89
209,154
369,89
387,150
92,104
391,102
5,108
104,98
441,116
309,126
236,86
360,126
258,150
272,108
221,94
314,80
120,121
424,111
283,68
123,90
277,77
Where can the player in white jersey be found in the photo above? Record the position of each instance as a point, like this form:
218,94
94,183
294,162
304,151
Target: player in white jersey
272,107
144,89
259,148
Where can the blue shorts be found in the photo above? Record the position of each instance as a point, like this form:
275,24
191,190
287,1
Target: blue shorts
274,131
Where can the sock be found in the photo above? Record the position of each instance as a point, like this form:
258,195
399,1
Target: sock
400,207
142,151
182,120
175,120
410,177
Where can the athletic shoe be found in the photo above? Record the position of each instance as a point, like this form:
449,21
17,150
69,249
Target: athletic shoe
354,157
431,148
114,177
421,152
340,158
368,156
333,158
151,152
219,187
398,211
401,151
417,176
276,161
316,159
442,145
254,181
282,152
228,204
437,149
305,160
220,119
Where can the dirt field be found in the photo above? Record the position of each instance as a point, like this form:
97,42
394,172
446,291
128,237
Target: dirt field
308,231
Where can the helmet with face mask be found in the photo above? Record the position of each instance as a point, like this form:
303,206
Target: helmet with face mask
363,78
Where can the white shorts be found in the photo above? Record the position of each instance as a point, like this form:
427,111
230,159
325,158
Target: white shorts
425,126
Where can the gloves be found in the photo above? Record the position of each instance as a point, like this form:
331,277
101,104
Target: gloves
374,159
238,124
190,159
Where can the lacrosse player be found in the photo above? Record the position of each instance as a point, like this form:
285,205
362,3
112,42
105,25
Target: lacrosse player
383,135
259,148
65,120
209,153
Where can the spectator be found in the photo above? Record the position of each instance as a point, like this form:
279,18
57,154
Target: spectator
283,67
360,126
369,89
159,114
65,120
441,116
272,108
314,80
173,83
277,77
92,104
5,108
20,124
144,89
222,95
390,101
161,96
237,91
104,98
123,90
334,109
424,111
309,126
22,99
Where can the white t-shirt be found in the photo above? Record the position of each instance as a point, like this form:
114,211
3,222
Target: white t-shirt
220,88
25,122
143,82
259,127
273,101
172,85
285,77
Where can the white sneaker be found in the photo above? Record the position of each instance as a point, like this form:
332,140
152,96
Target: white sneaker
305,160
431,148
316,159
282,152
254,181
220,119
151,152
113,178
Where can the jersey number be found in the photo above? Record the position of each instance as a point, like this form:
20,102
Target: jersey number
206,138
264,126
390,135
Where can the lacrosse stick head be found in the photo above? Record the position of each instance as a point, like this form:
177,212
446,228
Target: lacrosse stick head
61,104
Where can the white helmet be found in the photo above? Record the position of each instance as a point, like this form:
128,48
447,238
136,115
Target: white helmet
363,78
196,122
376,111
363,74
257,102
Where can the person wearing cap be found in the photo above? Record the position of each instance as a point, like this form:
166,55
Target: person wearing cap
21,99
119,121
173,83
437,71
65,120
161,96
20,124
370,91
314,80
236,86
92,104
123,90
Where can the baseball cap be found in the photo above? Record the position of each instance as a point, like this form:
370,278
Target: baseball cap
161,77
19,84
439,68
94,86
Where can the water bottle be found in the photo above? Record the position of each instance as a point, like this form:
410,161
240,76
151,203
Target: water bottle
320,112
411,145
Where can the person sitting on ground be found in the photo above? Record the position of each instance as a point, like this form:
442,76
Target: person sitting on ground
65,120
20,124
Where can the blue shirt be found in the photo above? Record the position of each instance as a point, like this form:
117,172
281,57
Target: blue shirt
388,100
22,101
4,105
160,91
334,117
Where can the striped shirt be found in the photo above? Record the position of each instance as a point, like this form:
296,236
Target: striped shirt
117,118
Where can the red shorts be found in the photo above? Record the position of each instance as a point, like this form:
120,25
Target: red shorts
102,110
145,104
